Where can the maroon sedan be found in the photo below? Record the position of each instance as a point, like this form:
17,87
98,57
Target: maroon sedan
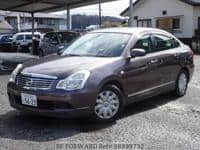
101,73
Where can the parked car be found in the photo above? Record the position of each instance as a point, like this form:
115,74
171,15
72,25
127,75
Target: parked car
55,42
6,42
101,73
23,41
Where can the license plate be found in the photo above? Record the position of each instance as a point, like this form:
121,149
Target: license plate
29,100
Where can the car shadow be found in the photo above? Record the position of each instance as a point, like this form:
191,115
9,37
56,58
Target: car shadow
18,126
148,104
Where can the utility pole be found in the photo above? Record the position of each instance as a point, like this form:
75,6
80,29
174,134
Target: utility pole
100,15
69,26
33,38
131,13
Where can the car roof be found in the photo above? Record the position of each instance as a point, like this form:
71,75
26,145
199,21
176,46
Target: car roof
62,32
132,30
27,33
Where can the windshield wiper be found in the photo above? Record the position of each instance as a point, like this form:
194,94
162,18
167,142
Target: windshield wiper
72,55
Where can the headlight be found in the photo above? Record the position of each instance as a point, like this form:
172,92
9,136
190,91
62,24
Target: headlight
75,81
15,72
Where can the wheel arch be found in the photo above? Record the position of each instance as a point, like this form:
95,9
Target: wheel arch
115,83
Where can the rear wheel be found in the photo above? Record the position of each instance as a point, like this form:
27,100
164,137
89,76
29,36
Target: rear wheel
182,83
109,104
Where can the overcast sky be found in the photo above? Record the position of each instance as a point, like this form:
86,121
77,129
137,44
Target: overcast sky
108,9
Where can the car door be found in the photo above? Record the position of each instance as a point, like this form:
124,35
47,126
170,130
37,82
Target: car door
54,43
142,73
20,39
50,43
165,49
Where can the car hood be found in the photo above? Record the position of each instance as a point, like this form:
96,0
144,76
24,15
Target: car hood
62,66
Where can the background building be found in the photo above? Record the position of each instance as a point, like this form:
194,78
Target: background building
180,17
43,22
4,26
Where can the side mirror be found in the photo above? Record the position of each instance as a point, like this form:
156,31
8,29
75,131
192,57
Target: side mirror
138,52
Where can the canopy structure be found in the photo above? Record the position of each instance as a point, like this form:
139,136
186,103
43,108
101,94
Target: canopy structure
34,6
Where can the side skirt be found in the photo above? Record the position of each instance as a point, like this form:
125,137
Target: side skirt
151,92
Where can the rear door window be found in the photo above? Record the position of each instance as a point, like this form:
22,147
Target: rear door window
176,43
162,42
28,37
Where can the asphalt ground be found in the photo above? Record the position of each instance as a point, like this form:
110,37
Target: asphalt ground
159,123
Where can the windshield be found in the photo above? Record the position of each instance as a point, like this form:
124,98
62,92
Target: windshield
99,45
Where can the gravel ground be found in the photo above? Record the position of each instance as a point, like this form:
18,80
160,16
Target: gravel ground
160,123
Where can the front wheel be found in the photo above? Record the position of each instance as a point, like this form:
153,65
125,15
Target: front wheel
109,104
182,83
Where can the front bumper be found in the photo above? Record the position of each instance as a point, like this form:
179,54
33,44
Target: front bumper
54,103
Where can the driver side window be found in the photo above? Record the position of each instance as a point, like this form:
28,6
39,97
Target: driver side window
144,43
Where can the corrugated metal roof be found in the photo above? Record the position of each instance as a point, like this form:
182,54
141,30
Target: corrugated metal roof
37,15
44,5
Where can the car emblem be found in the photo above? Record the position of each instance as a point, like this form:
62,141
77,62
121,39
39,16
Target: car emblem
29,83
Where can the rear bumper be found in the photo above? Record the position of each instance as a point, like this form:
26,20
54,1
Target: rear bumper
55,104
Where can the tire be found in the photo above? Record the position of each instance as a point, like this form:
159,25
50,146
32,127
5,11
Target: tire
182,83
105,110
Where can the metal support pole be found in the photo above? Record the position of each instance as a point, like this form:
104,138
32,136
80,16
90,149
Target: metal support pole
100,15
33,30
18,23
33,24
68,19
131,13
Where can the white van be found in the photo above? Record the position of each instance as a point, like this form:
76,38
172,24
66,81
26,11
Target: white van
23,41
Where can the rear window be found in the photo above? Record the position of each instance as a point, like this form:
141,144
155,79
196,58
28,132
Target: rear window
28,37
162,42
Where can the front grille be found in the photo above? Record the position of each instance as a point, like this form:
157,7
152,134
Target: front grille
42,104
27,82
